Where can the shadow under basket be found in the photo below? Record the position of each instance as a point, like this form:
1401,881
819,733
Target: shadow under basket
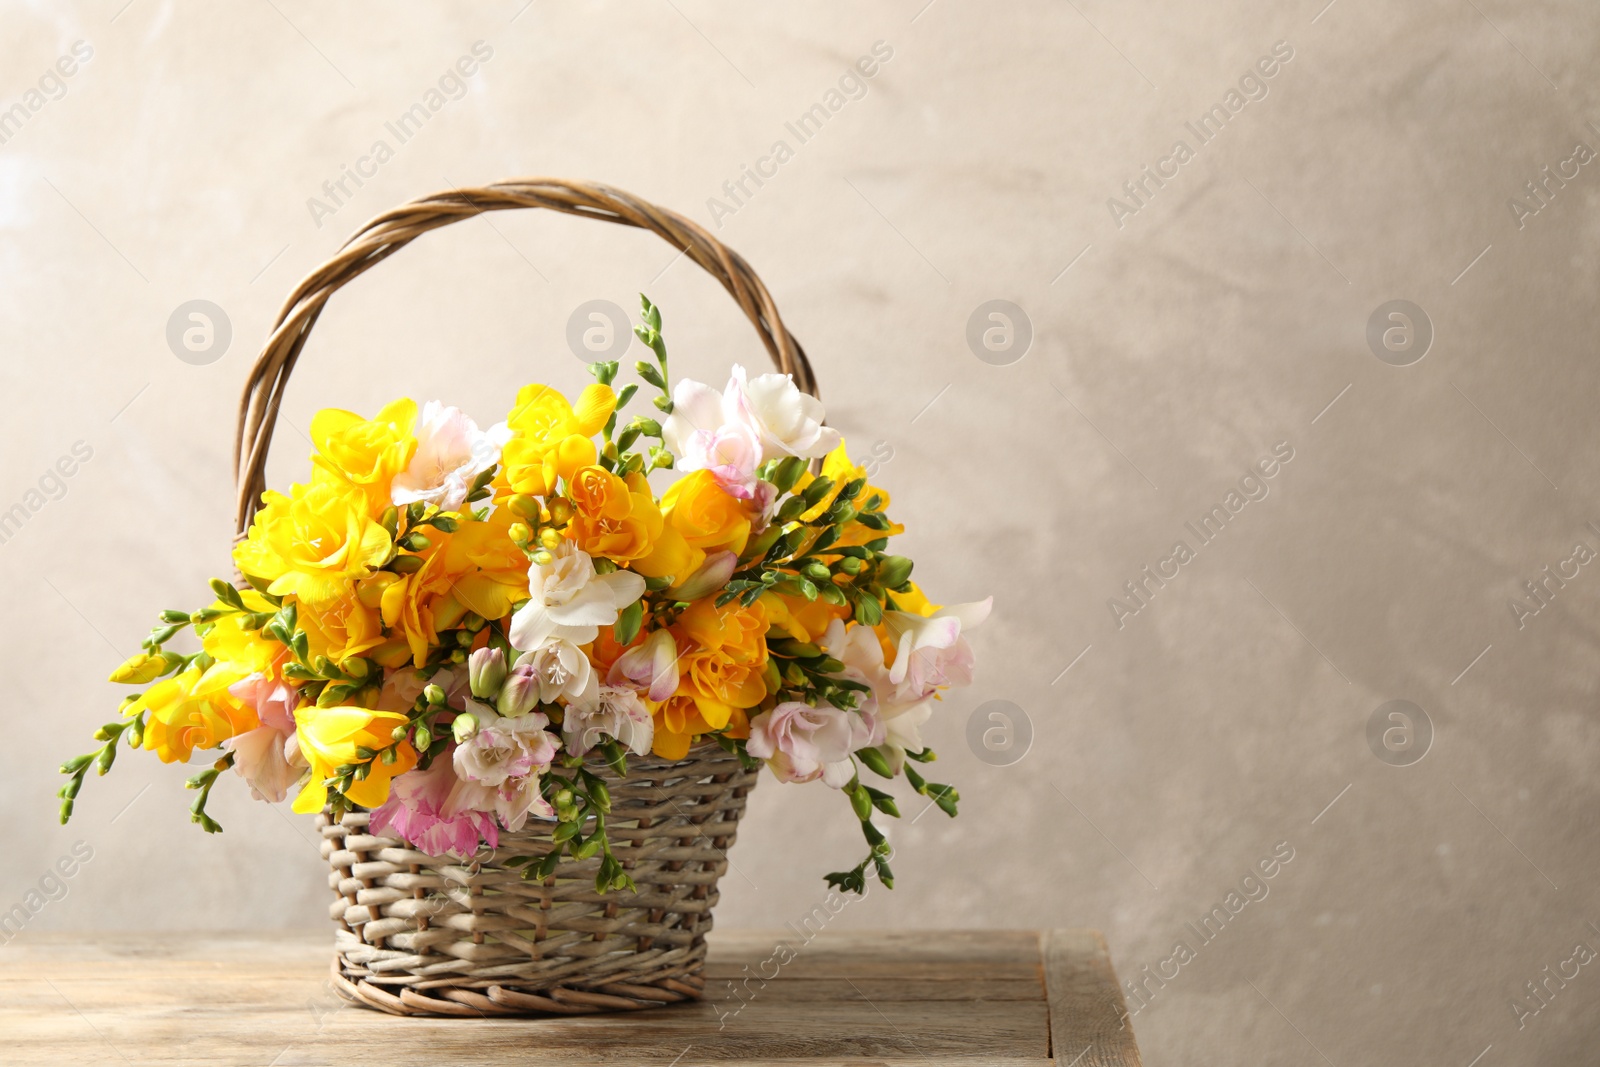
430,935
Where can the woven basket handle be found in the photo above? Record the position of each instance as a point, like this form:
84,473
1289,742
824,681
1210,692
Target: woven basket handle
393,230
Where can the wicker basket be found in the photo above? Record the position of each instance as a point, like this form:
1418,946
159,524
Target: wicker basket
422,935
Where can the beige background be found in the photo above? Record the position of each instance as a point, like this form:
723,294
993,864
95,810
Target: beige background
1221,319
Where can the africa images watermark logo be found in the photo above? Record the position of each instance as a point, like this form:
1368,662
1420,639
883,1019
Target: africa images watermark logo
1253,486
852,85
1252,86
51,85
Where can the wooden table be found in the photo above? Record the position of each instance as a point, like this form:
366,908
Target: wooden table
992,997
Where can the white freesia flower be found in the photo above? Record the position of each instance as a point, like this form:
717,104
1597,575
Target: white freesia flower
713,431
451,452
929,649
569,600
615,712
787,421
558,669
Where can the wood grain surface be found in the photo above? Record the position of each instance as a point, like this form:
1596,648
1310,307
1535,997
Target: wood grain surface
949,997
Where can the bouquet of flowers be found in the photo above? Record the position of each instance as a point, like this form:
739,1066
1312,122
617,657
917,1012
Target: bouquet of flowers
450,627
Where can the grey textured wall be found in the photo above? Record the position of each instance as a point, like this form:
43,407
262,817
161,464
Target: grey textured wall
1176,341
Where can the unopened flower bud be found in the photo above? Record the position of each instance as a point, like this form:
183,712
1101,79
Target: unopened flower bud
711,576
894,571
520,693
434,694
519,533
560,510
524,507
542,557
487,672
550,539
464,728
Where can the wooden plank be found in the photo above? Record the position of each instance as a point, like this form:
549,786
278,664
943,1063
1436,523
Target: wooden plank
1089,1024
956,997
69,1024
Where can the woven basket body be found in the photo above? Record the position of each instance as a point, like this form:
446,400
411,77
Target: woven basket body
422,934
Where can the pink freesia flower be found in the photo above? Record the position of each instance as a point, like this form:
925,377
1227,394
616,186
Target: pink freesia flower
802,743
268,757
269,760
400,689
505,748
415,812
938,634
651,667
272,698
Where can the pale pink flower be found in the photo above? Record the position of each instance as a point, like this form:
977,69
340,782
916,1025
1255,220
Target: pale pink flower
512,802
273,699
505,748
400,689
269,760
268,757
650,666
940,634
569,599
615,712
930,655
415,811
802,743
451,453
787,421
557,670
709,431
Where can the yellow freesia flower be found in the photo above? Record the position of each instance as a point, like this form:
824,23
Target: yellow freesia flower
550,439
341,628
488,573
802,619
721,656
366,453
476,569
613,518
229,642
707,516
313,544
193,710
329,738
